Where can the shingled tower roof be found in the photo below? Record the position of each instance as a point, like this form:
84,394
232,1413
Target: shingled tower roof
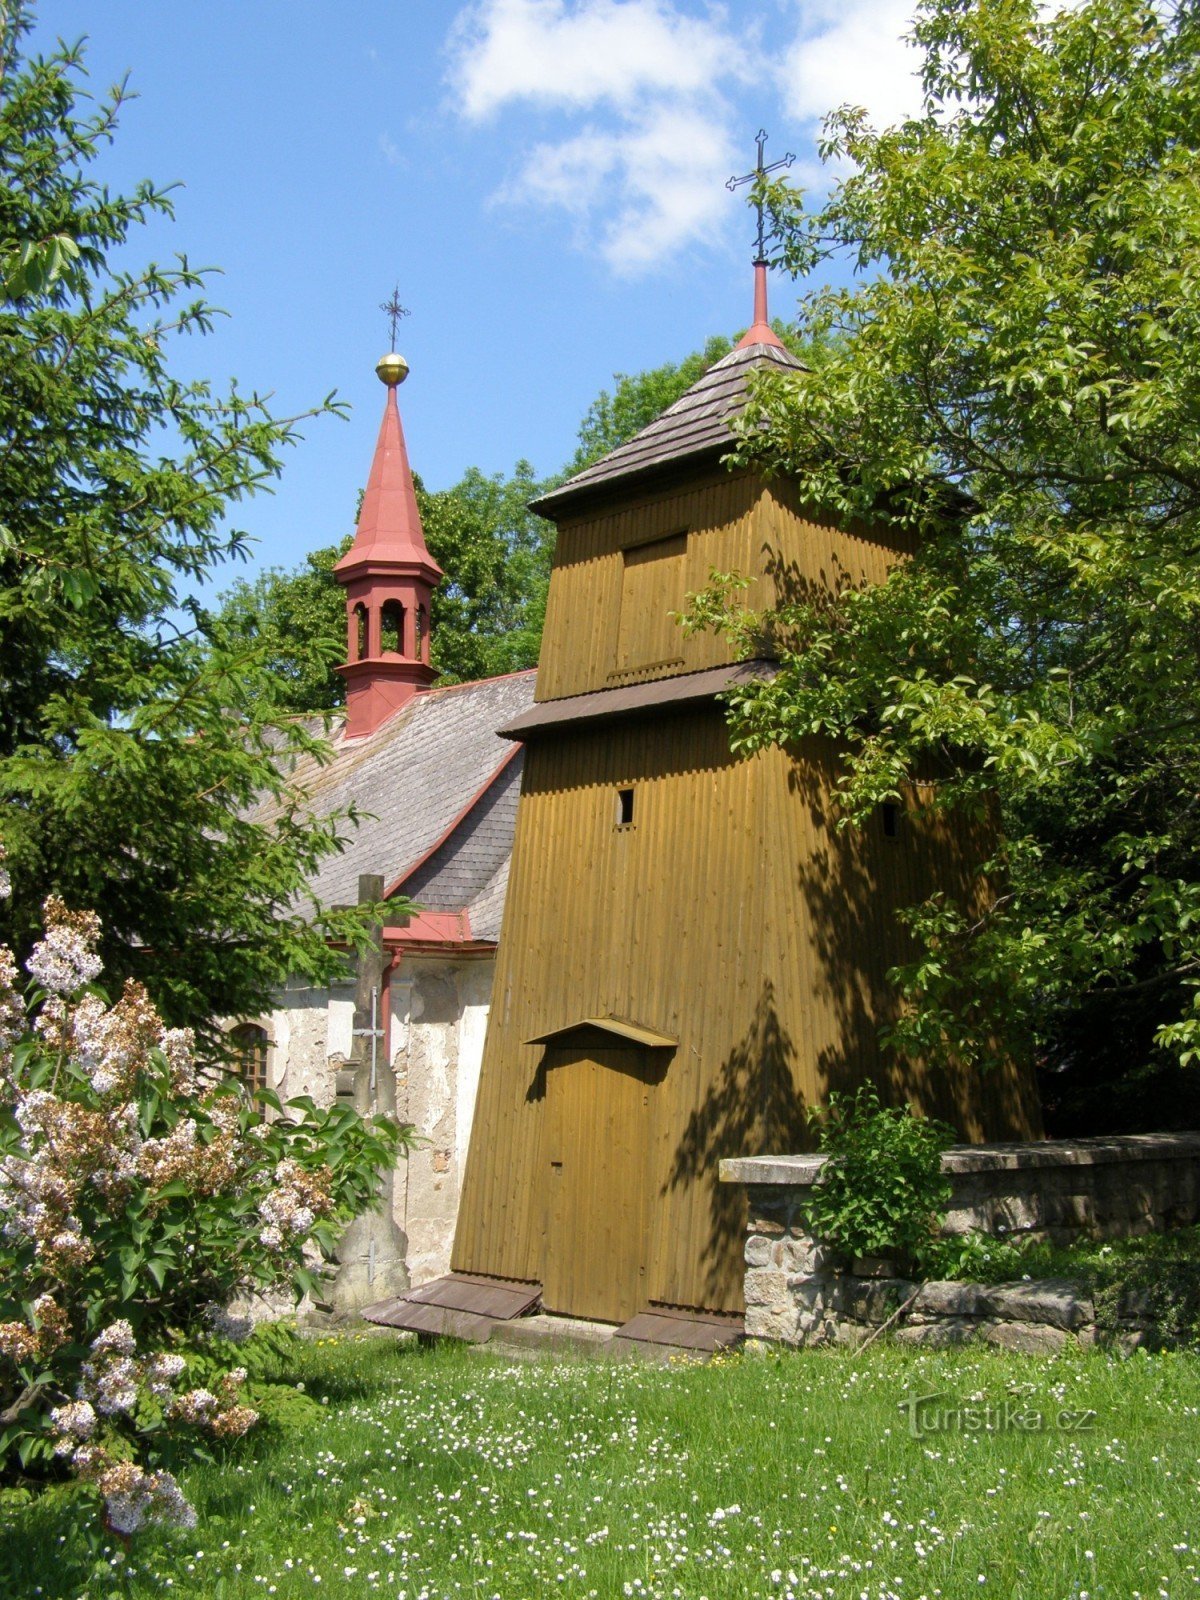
696,426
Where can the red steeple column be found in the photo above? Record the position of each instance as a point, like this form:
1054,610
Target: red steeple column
389,577
760,331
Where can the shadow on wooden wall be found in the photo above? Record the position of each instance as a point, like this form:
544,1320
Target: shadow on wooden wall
751,1107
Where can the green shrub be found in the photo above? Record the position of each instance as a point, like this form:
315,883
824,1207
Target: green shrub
882,1191
138,1198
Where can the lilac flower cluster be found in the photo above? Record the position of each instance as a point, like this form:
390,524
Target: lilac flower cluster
108,1129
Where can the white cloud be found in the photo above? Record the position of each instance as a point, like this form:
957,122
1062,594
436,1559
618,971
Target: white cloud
852,54
655,184
646,174
578,55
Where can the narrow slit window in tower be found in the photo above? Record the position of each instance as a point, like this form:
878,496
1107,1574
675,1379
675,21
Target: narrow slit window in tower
358,631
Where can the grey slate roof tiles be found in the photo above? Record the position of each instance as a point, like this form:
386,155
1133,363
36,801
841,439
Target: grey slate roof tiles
466,862
487,909
696,423
412,779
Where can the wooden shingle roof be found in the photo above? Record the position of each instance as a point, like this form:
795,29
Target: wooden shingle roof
696,425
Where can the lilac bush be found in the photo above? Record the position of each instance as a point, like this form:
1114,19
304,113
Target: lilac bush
139,1195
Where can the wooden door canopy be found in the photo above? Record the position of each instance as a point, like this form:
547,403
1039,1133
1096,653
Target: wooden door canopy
462,1305
684,1328
627,1032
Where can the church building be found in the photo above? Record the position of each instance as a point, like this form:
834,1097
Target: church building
435,789
693,954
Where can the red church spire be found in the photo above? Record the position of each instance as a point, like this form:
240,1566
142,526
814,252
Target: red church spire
389,577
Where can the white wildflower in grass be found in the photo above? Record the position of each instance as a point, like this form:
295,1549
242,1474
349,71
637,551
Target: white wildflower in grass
65,961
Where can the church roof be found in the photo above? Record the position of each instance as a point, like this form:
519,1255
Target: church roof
695,426
435,786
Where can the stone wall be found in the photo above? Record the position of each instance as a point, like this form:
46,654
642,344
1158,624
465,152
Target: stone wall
1059,1190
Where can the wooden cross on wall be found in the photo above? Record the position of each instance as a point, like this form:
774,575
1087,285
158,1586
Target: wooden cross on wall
757,176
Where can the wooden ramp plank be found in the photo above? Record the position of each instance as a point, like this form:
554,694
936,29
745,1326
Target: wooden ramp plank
440,1321
683,1329
459,1306
501,1298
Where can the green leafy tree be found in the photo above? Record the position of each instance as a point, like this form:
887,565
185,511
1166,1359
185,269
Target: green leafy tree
1013,377
487,613
299,619
136,729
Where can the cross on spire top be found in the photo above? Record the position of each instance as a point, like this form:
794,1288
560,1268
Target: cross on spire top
759,173
394,311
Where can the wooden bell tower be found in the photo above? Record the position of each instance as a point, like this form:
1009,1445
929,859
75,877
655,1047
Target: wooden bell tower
694,952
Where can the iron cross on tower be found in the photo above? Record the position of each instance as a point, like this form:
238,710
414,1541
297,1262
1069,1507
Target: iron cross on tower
757,176
394,310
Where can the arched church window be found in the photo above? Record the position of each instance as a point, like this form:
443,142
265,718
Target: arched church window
358,632
391,627
248,1045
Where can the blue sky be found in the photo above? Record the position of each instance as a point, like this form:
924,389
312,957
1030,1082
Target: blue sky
544,179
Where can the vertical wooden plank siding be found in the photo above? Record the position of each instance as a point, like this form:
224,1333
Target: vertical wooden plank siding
732,522
731,914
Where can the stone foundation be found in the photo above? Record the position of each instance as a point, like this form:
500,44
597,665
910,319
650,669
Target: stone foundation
1059,1190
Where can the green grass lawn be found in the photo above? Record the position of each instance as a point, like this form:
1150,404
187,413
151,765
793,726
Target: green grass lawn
421,1474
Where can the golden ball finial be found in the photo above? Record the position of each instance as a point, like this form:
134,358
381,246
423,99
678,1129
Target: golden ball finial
391,369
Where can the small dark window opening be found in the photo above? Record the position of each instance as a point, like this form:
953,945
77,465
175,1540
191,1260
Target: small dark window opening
422,632
891,820
358,633
391,627
624,808
249,1045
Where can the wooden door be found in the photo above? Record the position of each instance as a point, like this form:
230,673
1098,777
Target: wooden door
599,1183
